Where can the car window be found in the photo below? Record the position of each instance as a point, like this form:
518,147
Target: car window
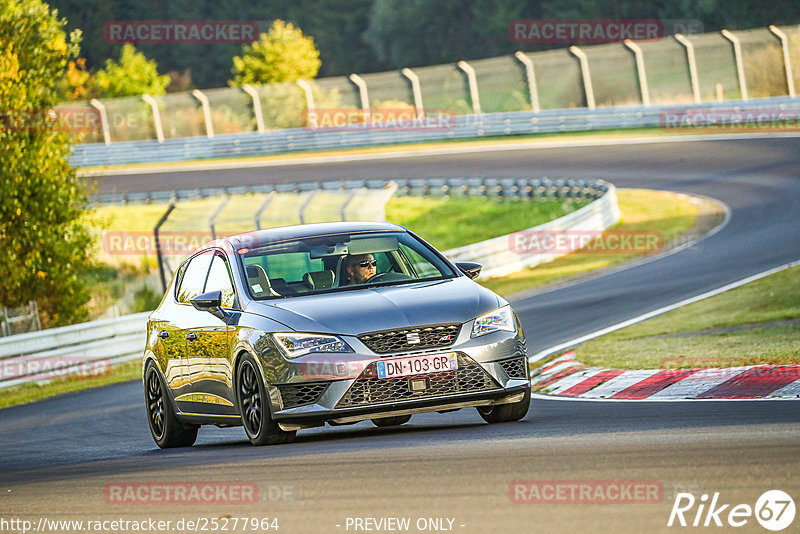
421,266
219,279
194,277
289,266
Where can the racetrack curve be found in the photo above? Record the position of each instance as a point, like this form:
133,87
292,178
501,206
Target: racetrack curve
60,454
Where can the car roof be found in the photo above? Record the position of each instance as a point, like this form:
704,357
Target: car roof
284,233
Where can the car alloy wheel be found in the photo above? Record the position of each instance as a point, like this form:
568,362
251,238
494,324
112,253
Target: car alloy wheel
166,428
254,407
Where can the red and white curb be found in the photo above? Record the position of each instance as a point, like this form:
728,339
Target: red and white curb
566,377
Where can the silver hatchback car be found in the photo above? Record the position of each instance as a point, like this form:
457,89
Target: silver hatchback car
292,328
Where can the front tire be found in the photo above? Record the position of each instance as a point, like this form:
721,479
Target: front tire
503,413
167,430
391,421
253,405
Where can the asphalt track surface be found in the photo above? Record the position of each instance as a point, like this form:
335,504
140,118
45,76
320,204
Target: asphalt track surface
59,455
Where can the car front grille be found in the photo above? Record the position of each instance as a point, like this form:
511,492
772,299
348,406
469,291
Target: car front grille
515,367
293,395
368,389
408,339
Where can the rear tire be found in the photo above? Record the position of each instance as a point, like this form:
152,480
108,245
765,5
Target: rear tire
391,421
254,408
167,430
503,413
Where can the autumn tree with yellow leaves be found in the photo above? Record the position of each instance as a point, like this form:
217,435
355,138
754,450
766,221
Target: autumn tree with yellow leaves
44,239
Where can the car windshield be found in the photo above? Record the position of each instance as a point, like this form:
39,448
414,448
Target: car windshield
339,262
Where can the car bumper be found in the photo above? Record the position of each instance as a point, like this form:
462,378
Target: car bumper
491,371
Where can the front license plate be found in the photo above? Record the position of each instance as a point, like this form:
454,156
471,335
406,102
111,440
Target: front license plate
417,365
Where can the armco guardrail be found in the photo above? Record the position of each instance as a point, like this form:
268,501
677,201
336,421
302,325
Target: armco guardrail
93,347
464,127
80,349
499,258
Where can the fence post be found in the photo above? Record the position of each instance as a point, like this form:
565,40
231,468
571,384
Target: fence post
416,90
639,56
156,117
362,91
96,104
159,259
787,58
35,312
472,80
531,77
312,112
250,90
690,59
264,206
586,75
199,95
212,221
302,211
737,55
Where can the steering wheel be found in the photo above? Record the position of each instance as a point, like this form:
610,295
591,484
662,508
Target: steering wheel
377,277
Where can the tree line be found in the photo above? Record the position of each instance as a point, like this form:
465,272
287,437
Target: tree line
374,35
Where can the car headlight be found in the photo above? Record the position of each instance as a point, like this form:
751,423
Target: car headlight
501,319
296,344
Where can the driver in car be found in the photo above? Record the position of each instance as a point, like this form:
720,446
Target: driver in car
360,268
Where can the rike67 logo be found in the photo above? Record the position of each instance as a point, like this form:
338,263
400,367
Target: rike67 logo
774,510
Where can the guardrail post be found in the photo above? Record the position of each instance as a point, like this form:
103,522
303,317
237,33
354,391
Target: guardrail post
472,80
250,90
586,75
690,59
639,56
159,258
530,75
737,55
787,59
416,90
311,110
199,95
362,91
156,117
96,104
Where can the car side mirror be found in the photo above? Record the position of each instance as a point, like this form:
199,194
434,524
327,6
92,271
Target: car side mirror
210,302
469,268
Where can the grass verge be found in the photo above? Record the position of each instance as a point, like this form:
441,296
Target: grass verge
26,393
667,214
758,323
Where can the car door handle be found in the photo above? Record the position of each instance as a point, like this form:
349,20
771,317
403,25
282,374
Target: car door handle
163,334
191,336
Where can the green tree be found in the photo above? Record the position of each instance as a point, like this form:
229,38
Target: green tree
283,54
43,233
133,75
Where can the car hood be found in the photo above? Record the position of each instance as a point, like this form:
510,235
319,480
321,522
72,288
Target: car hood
455,300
